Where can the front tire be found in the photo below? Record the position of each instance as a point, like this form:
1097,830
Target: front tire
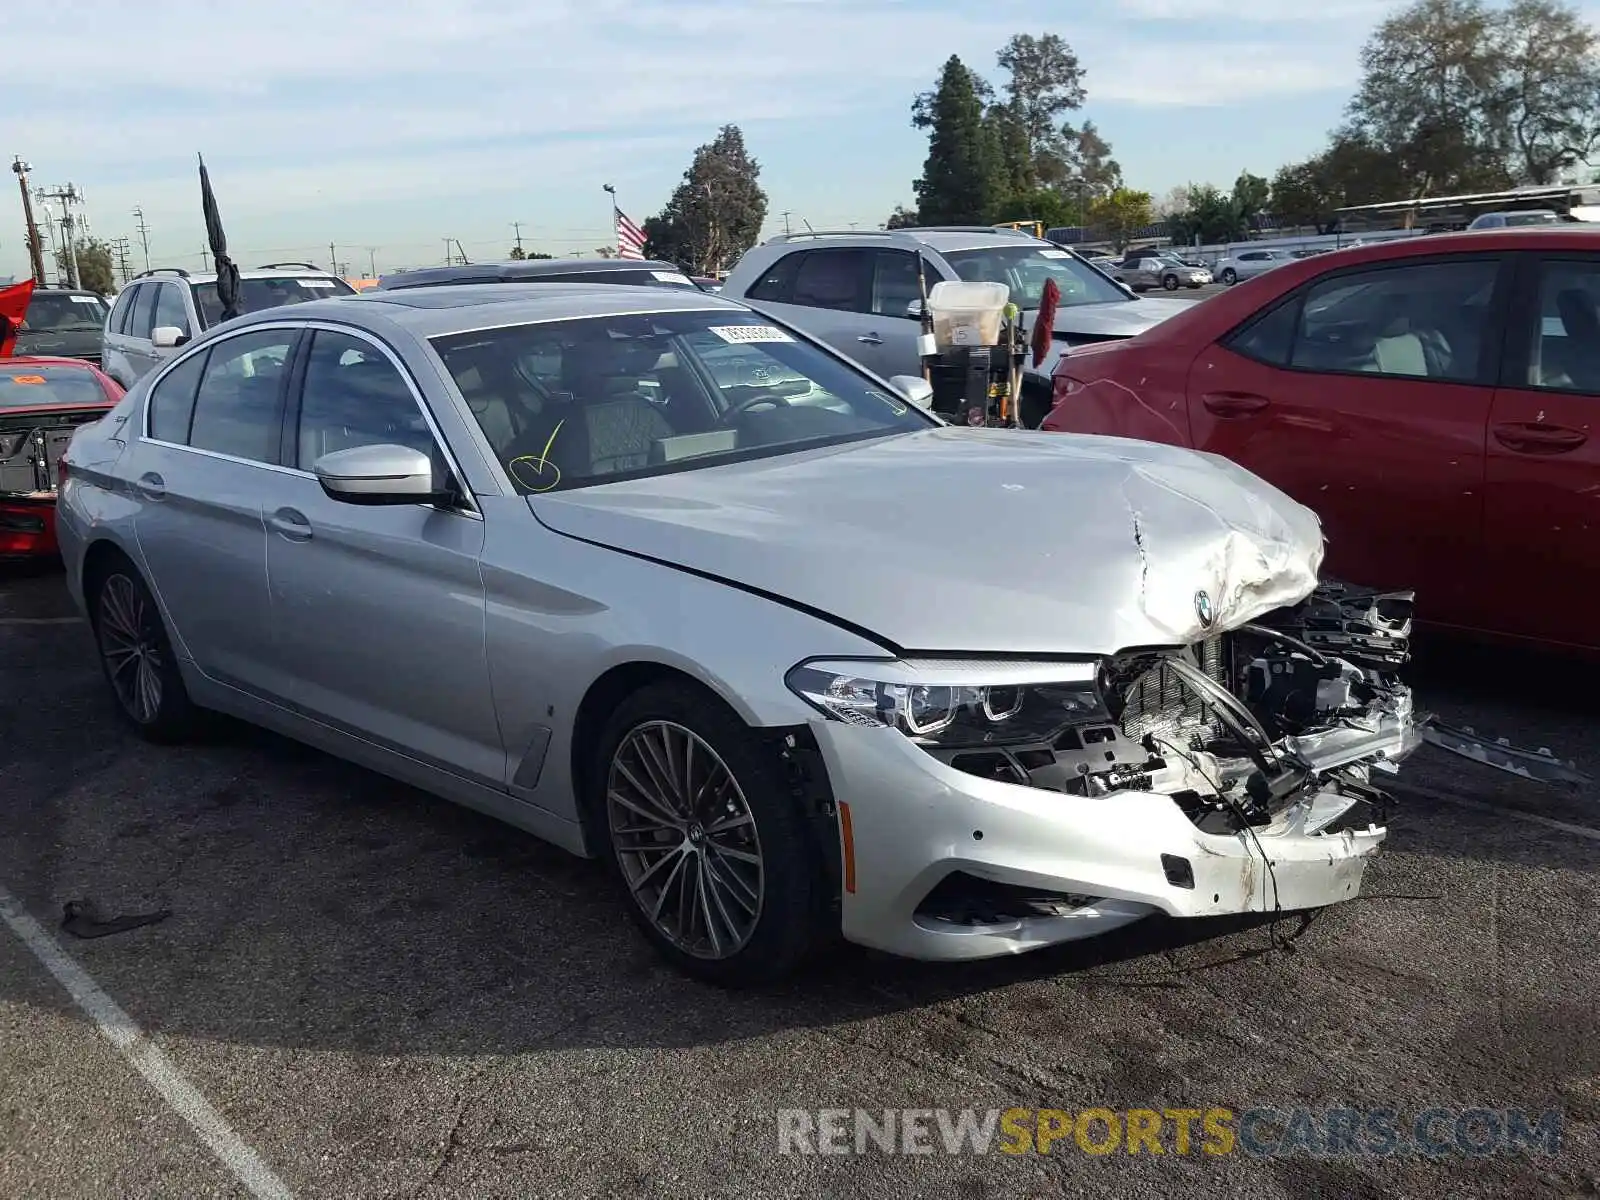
136,657
719,868
1230,277
1170,282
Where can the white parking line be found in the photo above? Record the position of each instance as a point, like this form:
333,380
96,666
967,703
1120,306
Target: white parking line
1502,810
145,1057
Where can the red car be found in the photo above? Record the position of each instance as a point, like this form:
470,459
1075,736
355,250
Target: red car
42,402
1433,399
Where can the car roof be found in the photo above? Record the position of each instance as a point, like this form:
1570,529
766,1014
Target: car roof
211,276
942,239
434,311
65,291
529,269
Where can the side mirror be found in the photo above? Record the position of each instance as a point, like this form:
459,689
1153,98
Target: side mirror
165,337
383,474
914,388
914,310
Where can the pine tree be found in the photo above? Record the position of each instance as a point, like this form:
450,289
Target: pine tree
962,179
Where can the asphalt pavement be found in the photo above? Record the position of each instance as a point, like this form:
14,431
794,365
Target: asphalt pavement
362,991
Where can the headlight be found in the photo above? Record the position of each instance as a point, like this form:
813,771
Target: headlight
955,704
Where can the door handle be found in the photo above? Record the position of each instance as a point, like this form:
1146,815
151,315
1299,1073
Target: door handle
1539,439
291,524
151,486
1233,404
870,339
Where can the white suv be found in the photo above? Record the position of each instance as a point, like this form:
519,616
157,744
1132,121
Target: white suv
163,309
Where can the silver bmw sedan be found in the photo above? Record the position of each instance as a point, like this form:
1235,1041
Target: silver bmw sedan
670,584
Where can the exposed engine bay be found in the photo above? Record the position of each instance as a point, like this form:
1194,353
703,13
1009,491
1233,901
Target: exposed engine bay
1238,728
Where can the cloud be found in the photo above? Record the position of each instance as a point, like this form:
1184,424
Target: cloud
315,113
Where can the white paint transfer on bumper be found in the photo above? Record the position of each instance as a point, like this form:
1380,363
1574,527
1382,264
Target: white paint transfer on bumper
915,820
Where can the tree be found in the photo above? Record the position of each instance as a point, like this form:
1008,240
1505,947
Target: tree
902,218
962,179
1045,82
716,213
1121,215
1549,88
95,273
517,254
1174,204
1212,216
605,251
1092,173
1299,195
1251,195
1045,205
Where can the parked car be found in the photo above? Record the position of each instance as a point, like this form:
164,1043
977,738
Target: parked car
64,323
1434,399
544,270
1145,269
165,308
1247,264
859,292
1514,220
43,401
451,534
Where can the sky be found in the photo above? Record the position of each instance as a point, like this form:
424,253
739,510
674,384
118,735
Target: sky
384,127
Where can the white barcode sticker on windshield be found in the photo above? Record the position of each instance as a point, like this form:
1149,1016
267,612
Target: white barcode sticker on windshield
95,300
1054,254
316,283
672,277
750,333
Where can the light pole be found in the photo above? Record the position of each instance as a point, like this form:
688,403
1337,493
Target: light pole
35,245
611,191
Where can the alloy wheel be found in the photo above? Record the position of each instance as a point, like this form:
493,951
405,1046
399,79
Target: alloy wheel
685,839
130,644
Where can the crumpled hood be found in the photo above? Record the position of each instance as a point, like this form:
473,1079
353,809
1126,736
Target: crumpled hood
1117,319
977,540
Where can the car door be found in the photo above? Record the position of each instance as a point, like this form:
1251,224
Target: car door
171,312
828,294
137,350
895,288
114,347
208,454
1365,395
1542,492
378,611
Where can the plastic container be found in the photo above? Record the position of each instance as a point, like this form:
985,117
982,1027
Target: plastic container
966,313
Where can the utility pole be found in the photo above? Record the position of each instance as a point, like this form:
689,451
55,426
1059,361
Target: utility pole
121,249
333,260
785,215
35,245
68,196
372,262
461,250
516,227
449,254
144,235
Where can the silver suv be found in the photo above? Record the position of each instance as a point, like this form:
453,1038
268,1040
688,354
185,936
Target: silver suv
168,307
858,292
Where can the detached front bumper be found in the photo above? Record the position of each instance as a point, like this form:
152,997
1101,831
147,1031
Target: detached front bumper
916,825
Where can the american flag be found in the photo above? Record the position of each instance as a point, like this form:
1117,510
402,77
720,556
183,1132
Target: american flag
630,238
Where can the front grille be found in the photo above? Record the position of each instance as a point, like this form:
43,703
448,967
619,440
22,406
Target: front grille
1160,704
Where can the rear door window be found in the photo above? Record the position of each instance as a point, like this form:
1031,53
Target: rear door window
1424,320
835,279
239,408
144,311
776,284
121,309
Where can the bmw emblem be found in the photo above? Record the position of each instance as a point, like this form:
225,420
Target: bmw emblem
1202,609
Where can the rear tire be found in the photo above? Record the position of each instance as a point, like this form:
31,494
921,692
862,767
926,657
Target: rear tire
719,870
1230,277
136,656
1170,282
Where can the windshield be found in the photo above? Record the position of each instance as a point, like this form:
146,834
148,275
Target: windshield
257,294
569,404
1024,269
26,385
57,312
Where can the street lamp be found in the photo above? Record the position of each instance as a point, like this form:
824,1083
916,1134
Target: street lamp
611,190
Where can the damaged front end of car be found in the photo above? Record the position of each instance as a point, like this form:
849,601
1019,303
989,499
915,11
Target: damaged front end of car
1238,774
